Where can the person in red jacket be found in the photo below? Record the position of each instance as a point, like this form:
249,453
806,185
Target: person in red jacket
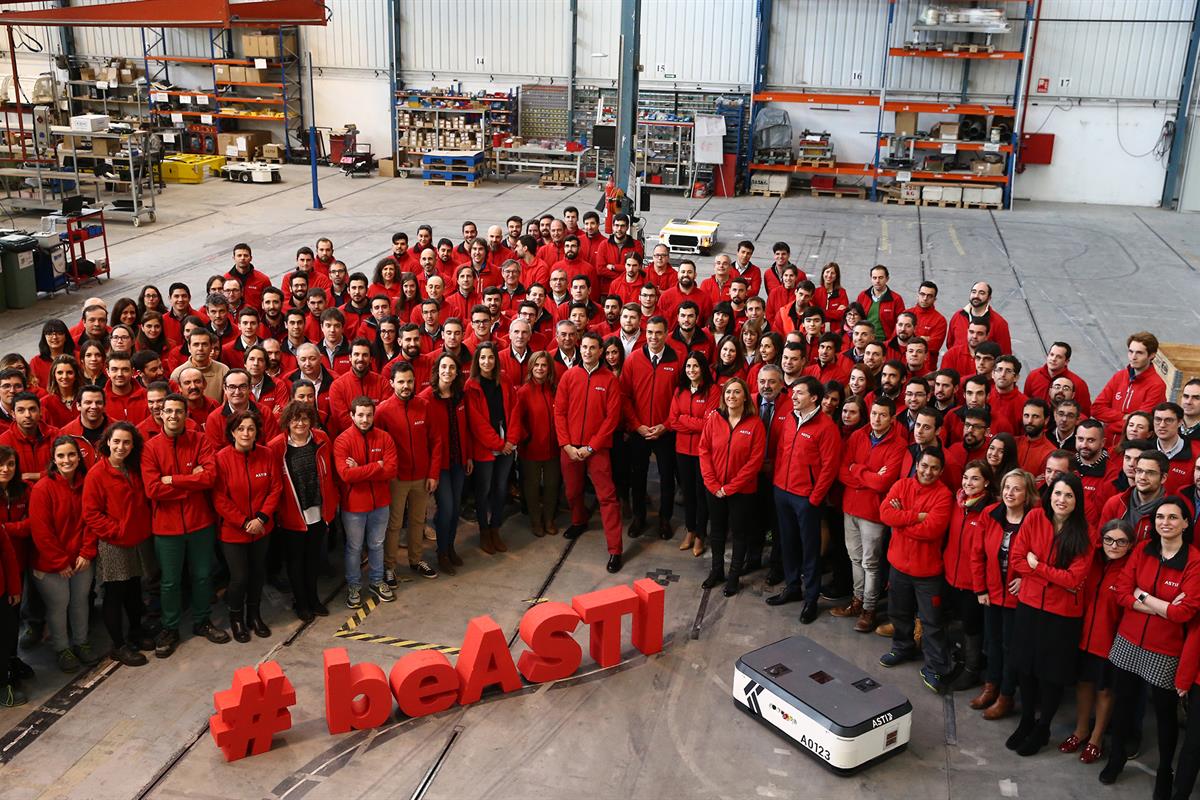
979,307
1181,453
29,436
694,400
534,433
996,586
116,509
1052,555
587,409
358,381
1187,686
1102,614
880,304
1159,592
64,549
1138,387
806,450
448,417
1136,504
245,497
732,447
10,601
918,512
931,325
490,406
975,494
870,465
365,458
1057,365
178,470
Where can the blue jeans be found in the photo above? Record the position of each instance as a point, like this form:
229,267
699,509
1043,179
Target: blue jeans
371,527
448,497
491,490
799,528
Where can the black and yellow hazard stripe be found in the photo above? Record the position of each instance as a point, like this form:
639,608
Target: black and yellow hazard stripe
369,604
395,641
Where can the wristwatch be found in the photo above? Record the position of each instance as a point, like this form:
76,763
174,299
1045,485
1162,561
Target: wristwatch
1142,597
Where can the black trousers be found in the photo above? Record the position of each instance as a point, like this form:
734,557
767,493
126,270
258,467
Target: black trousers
837,560
663,449
122,599
1189,755
10,627
729,518
305,553
763,521
695,505
911,597
247,572
1127,688
964,606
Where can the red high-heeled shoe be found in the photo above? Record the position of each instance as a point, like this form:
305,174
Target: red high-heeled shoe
1091,753
1070,744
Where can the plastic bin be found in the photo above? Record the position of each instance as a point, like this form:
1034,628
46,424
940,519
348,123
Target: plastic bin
20,283
50,269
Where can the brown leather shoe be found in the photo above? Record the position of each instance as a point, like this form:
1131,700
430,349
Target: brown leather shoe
885,629
987,695
999,709
537,529
853,610
485,541
497,542
444,564
551,528
866,621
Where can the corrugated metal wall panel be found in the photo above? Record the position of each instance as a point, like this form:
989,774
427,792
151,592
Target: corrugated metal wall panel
825,43
355,38
705,42
597,40
121,42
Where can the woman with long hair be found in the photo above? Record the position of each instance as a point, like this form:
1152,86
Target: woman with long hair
732,446
861,382
385,279
245,497
720,322
91,363
55,341
150,334
853,315
749,336
537,443
1159,592
730,361
832,400
996,589
1001,454
1139,426
490,405
386,347
1052,554
409,299
64,549
307,502
124,312
695,398
60,405
769,351
853,415
14,556
830,297
117,511
151,299
448,416
973,498
1094,689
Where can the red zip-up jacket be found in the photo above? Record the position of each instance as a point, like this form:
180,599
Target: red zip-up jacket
587,407
1049,588
985,559
365,487
1166,580
1179,468
129,407
533,422
10,569
14,523
689,410
248,487
440,427
966,529
183,506
806,456
348,386
1006,411
1037,384
288,513
115,507
859,471
648,390
218,418
931,326
998,332
730,457
1124,394
253,283
484,438
1115,508
418,449
56,523
891,305
33,454
1102,612
1188,672
833,304
916,545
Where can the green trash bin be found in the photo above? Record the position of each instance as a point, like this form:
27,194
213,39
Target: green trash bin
3,299
20,280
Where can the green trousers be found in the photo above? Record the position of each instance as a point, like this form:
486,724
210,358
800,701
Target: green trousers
198,549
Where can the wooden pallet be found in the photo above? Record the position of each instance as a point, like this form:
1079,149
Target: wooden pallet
942,203
972,47
896,199
767,193
840,191
447,163
548,184
461,169
925,46
440,182
992,206
815,162
448,175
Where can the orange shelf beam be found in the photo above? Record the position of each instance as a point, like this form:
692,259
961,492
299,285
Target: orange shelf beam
234,62
177,14
217,115
964,177
999,55
818,98
924,107
238,83
936,144
840,168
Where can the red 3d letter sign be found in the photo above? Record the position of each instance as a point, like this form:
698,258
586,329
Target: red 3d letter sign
359,696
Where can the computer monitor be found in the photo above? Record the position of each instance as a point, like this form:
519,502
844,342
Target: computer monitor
72,206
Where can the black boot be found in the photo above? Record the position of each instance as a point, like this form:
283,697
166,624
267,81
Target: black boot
237,624
255,622
1163,782
1020,734
969,676
1035,741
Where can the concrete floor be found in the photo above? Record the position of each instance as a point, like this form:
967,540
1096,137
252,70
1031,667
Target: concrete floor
652,727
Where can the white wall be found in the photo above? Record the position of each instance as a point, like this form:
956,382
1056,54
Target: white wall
344,96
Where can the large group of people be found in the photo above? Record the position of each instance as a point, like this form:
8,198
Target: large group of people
1017,540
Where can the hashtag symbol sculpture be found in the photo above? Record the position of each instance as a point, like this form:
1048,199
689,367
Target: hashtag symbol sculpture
252,711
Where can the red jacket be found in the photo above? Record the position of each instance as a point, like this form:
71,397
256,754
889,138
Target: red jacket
1006,411
833,304
1123,395
836,370
647,390
512,369
998,333
10,569
33,455
1179,468
891,305
986,576
1115,508
689,410
1037,384
253,284
348,386
587,407
807,456
860,469
752,275
365,487
916,545
115,507
218,418
1097,488
730,457
1102,612
931,326
1050,588
56,523
439,424
962,539
961,360
183,506
701,342
14,524
957,458
533,422
248,487
671,299
1188,672
486,441
1032,454
418,449
1165,580
129,407
288,513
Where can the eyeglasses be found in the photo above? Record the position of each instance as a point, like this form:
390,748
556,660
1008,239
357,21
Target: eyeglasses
1111,542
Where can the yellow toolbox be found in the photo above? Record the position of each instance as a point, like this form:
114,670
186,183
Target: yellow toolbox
190,168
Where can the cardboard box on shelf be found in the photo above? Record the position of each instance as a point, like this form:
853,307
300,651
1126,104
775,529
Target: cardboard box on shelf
946,131
984,167
105,147
272,150
242,144
252,75
222,73
267,45
87,74
90,123
237,74
906,123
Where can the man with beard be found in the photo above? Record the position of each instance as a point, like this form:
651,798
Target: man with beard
252,281
591,240
829,365
445,264
961,357
891,378
553,250
612,315
573,263
324,256
930,324
610,258
916,397
359,381
497,251
237,399
124,398
427,269
338,290
413,352
926,432
979,307
945,390
297,287
533,269
304,266
405,258
296,321
1033,448
470,234
974,444
629,329
357,309
1066,421
485,274
630,284
271,323
685,289
148,367
1006,401
872,359
192,386
975,394
200,346
1092,467
279,362
906,327
514,227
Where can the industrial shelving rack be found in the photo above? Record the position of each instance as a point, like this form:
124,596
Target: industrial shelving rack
122,102
424,118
